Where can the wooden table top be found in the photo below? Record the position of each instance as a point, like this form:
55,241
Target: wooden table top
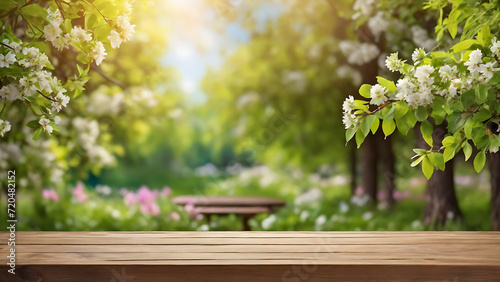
228,201
255,248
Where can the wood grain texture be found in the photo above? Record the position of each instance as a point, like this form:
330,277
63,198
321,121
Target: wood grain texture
231,210
254,256
233,201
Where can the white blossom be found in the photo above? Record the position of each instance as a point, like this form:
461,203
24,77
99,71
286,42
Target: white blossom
378,24
79,34
423,74
404,87
4,127
350,120
418,55
420,38
348,104
60,101
268,222
98,52
114,39
126,29
14,45
448,73
358,53
378,95
51,32
320,220
7,60
495,47
362,8
393,63
61,42
54,17
44,122
9,92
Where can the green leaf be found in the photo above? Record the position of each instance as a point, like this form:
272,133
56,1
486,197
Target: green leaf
481,92
37,133
422,113
453,29
420,151
417,161
467,150
33,124
364,90
479,161
402,125
463,45
426,128
366,124
448,141
349,133
375,125
13,71
388,126
360,138
90,20
437,160
484,34
468,128
401,109
449,153
386,83
427,168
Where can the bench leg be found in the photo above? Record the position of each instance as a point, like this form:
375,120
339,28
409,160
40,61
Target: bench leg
246,218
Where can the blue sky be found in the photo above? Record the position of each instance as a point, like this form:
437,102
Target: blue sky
196,45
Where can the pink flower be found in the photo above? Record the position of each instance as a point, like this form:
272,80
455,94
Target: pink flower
398,195
166,191
130,199
175,216
50,194
146,196
151,208
359,191
199,217
381,195
79,193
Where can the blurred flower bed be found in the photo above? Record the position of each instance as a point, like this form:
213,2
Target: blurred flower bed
314,203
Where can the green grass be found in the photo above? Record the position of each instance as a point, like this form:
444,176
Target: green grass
110,213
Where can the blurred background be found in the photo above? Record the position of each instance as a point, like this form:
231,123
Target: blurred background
239,98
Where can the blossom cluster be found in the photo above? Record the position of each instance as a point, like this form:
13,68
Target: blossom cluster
359,53
79,37
146,199
33,79
421,82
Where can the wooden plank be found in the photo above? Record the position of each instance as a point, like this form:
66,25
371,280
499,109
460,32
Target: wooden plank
227,201
75,239
268,234
254,256
365,258
251,273
233,210
428,248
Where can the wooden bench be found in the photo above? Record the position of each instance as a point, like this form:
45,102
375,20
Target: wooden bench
253,256
246,207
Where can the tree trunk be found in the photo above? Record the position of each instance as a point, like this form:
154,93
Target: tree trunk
494,159
441,202
369,161
353,167
388,167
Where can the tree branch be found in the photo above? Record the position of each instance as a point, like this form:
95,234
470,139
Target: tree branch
108,78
